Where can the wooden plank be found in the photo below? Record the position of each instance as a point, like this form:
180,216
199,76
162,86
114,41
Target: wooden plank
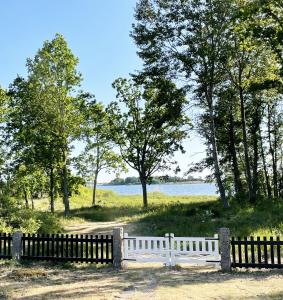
107,249
72,246
47,245
86,246
246,250
101,248
57,245
252,249
9,245
272,251
33,245
91,247
257,265
24,244
67,246
258,250
42,245
233,250
278,250
29,252
77,247
62,246
5,244
37,246
96,248
1,242
265,251
112,248
52,245
82,246
239,250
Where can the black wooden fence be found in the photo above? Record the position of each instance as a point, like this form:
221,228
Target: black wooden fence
5,246
256,253
72,248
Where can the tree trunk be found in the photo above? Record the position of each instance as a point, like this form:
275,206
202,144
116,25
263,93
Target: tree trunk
245,142
272,150
281,177
235,164
255,169
26,199
144,191
255,136
217,172
52,206
267,180
96,173
32,203
66,190
94,188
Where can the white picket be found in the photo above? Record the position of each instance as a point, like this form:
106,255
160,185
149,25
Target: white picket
171,249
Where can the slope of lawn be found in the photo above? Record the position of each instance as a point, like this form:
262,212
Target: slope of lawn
181,215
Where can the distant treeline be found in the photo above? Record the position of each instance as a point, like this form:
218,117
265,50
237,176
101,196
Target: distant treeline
154,180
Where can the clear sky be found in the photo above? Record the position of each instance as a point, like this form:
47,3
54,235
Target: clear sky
97,31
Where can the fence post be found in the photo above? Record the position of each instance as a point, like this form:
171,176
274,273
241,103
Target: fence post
118,249
17,245
224,238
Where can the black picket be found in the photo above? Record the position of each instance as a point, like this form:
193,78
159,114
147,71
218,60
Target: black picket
64,248
5,246
255,251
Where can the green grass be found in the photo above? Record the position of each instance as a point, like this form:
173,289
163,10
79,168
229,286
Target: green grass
181,215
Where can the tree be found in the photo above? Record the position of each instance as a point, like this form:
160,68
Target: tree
228,56
4,156
98,153
183,40
28,183
46,115
151,128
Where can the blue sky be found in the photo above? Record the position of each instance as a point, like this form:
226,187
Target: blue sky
97,31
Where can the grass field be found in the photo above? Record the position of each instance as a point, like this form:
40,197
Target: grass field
182,215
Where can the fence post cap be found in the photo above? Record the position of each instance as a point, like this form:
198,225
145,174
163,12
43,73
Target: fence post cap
17,234
224,229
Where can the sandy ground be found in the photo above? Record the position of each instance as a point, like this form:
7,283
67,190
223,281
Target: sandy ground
138,282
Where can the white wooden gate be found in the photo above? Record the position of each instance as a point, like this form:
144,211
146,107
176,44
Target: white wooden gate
171,250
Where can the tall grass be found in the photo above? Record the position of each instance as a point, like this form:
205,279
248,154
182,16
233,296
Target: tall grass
181,215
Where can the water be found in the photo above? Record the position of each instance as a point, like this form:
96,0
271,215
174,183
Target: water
169,189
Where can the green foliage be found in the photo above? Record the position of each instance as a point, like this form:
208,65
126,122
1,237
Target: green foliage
45,115
228,56
98,154
152,126
15,217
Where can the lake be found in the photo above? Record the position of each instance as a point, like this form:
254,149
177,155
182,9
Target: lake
169,189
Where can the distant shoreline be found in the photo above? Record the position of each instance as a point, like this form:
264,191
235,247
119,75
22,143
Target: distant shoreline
167,183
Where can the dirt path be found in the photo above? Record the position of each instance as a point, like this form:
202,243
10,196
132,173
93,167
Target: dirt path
139,282
98,227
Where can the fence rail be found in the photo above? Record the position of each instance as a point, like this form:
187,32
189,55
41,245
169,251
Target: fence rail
256,253
73,248
5,246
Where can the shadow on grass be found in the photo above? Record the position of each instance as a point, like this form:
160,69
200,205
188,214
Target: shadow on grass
192,219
